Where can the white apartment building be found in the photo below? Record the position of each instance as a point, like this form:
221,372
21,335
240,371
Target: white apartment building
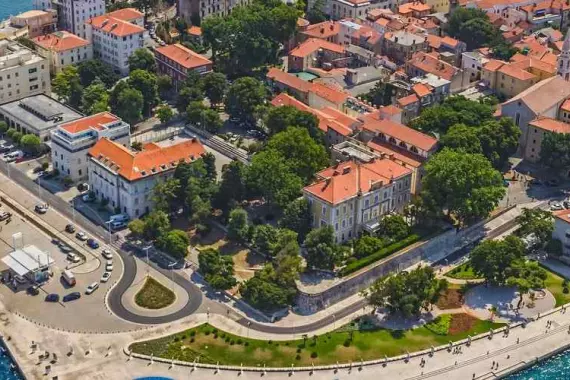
115,40
352,196
71,141
43,5
63,49
22,72
73,14
204,8
127,179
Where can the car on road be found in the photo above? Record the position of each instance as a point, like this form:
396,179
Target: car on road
115,226
73,258
81,236
33,290
55,241
41,208
52,297
6,148
107,254
106,276
109,266
83,187
65,248
70,228
91,288
555,206
92,243
71,296
89,197
4,215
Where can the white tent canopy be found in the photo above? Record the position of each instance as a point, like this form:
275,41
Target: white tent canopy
28,259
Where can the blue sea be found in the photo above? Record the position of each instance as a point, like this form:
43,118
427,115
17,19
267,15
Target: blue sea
6,370
554,368
13,7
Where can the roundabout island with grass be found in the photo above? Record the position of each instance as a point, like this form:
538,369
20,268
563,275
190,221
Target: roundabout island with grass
153,295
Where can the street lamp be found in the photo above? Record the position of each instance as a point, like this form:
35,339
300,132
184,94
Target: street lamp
170,266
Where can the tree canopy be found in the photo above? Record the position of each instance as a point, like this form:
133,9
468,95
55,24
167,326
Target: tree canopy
95,68
463,184
238,227
279,119
95,98
175,243
145,82
493,259
537,222
322,250
244,96
142,59
218,270
297,217
215,87
555,150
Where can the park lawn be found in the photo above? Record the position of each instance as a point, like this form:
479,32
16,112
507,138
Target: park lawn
213,346
154,295
463,272
554,284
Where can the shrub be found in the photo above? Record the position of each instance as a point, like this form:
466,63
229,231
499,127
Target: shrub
298,357
314,354
299,350
215,331
239,341
440,325
232,342
269,342
384,252
207,332
346,343
176,339
191,340
215,336
192,333
565,290
228,339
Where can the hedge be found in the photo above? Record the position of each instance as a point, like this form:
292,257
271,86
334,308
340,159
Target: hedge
384,252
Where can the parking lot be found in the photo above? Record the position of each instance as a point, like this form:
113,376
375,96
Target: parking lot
88,313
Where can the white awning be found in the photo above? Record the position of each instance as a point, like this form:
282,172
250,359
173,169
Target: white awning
28,259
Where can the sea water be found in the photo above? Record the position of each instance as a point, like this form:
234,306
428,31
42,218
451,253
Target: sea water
13,7
555,368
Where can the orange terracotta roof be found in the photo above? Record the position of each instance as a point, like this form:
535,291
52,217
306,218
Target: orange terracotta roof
518,57
558,45
324,30
284,99
414,6
183,56
451,42
421,90
434,41
60,41
430,64
97,121
115,26
135,165
344,181
566,105
328,93
195,30
339,116
395,153
563,215
313,44
550,58
390,110
288,80
551,125
382,21
407,100
399,132
516,72
126,14
493,65
530,63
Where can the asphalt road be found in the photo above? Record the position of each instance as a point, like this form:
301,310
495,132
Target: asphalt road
195,296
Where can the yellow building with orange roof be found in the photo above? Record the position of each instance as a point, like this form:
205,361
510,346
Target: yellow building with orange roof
63,49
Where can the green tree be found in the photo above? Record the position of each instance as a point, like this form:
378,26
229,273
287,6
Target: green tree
381,94
195,112
164,86
297,217
537,222
393,228
265,292
238,226
265,238
278,119
145,82
471,26
146,7
142,59
526,276
95,98
316,14
406,294
67,86
232,187
31,143
137,227
499,140
156,224
211,121
493,259
187,96
466,185
210,165
3,126
164,113
165,195
555,150
16,137
175,243
270,175
244,96
92,69
129,105
215,87
462,137
303,154
322,251
218,270
367,245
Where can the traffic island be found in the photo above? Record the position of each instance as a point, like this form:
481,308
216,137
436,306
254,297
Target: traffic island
153,295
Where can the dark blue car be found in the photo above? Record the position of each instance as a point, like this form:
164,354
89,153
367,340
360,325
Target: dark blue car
92,243
72,297
52,298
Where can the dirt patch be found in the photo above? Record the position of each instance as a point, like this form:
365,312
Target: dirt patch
350,353
450,299
461,323
261,354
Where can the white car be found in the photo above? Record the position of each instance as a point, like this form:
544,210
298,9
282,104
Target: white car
73,258
81,236
109,266
106,276
91,288
107,254
555,206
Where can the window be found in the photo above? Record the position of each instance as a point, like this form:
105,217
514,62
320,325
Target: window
324,212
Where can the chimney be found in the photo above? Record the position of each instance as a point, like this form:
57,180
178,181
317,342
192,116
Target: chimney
346,170
322,30
332,27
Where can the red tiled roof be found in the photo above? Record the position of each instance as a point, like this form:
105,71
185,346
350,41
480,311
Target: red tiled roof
493,65
407,100
126,14
551,125
434,41
396,153
563,215
183,56
288,79
414,6
421,90
328,93
430,64
97,121
399,132
566,105
115,26
313,44
60,41
131,165
195,30
344,181
324,29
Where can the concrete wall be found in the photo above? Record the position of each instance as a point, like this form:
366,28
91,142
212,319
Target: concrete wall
430,252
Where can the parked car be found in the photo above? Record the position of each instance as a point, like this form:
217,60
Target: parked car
82,187
41,208
91,288
4,215
71,296
81,236
106,276
92,243
109,266
55,241
33,290
555,206
65,248
107,254
52,298
70,228
73,258
115,226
